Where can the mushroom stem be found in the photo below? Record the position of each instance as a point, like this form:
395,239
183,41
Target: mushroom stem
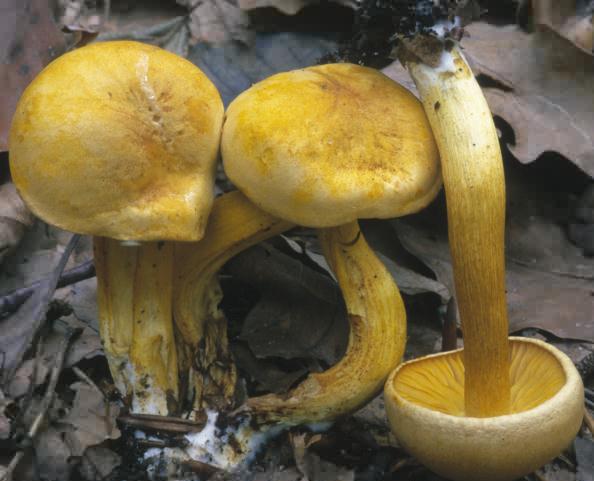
475,191
134,290
234,225
376,343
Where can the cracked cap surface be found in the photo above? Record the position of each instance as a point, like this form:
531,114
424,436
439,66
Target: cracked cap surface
118,139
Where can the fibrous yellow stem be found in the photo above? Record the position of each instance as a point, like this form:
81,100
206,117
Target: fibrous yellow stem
234,225
376,342
475,191
134,297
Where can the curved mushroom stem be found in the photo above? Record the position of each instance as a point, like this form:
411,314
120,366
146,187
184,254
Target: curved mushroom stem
234,225
134,297
475,191
376,344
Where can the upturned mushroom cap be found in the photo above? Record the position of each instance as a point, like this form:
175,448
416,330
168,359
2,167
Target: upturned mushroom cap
425,404
119,139
326,145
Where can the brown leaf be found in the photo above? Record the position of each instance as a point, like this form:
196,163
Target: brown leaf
536,298
14,219
543,90
30,40
23,377
288,7
218,21
567,19
265,373
19,330
312,466
98,463
300,314
85,346
91,420
52,455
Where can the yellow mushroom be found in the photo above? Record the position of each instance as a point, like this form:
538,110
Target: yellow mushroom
322,147
499,401
425,406
119,140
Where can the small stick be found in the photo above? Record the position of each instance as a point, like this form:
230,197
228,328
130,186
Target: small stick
10,302
48,397
204,470
162,423
32,316
83,377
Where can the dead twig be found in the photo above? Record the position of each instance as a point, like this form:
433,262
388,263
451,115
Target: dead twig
20,329
48,397
86,379
10,302
162,423
204,471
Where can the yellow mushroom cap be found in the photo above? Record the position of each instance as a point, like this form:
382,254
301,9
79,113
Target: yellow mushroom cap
425,405
119,139
329,144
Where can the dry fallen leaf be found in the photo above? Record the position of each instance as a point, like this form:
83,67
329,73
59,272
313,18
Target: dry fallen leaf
289,7
91,420
569,18
51,455
14,219
217,21
539,83
85,346
543,90
265,374
559,304
300,314
98,463
312,466
30,40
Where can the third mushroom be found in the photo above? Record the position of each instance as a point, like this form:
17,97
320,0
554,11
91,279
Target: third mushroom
499,408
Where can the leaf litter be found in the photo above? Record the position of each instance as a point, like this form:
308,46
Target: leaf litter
77,440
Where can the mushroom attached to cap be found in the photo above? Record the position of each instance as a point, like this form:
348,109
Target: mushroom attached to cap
322,147
119,140
426,409
500,399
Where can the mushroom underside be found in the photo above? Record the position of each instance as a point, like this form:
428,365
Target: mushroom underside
425,406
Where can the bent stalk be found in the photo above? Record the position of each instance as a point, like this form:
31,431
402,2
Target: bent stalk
376,343
234,225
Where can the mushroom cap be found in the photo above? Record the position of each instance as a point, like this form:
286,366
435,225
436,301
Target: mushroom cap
325,145
425,405
119,139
